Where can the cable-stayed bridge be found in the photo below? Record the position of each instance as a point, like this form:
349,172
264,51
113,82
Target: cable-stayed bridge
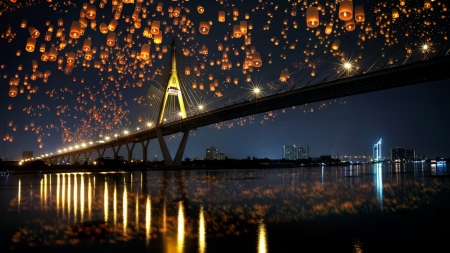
426,70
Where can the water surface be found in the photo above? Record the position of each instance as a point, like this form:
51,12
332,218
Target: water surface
363,208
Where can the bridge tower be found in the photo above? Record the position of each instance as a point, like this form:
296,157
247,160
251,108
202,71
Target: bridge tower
173,88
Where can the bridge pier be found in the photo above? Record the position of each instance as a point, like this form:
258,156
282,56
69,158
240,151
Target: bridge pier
130,151
144,150
116,152
100,155
168,162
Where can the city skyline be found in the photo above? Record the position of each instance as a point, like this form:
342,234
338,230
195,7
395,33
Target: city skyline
88,104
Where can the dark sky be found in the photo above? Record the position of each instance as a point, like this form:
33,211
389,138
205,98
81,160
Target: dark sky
414,117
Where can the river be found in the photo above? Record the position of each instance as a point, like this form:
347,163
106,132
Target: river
360,208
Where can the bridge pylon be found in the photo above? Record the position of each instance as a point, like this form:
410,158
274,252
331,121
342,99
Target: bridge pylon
173,88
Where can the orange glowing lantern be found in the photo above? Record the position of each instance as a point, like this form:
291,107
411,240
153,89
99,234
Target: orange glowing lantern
33,32
75,30
145,51
31,43
155,27
221,17
312,17
204,28
111,39
346,10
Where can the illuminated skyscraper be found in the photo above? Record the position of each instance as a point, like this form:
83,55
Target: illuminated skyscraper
303,152
377,151
289,152
294,152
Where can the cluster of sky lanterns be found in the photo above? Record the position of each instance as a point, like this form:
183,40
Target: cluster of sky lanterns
69,44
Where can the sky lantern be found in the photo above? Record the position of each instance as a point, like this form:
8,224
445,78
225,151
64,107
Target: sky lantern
221,17
237,33
187,71
200,9
350,25
159,7
23,24
31,43
312,17
53,54
145,51
256,60
329,28
346,10
194,85
33,32
235,11
12,91
243,27
157,38
75,30
44,57
60,22
111,39
204,27
87,45
112,25
88,56
359,13
176,12
91,11
427,4
201,86
155,27
336,44
48,36
284,75
395,13
70,57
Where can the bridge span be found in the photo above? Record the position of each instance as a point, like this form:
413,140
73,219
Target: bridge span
397,76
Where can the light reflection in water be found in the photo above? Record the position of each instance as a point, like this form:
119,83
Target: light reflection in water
68,196
41,191
63,194
125,210
18,197
201,232
58,182
379,174
105,202
148,220
89,198
115,205
310,195
75,198
45,191
82,197
262,238
180,230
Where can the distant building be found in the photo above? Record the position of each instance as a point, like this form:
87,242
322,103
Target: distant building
294,152
212,153
303,152
289,152
399,154
221,156
27,154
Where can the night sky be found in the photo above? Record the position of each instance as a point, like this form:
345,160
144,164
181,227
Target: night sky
91,103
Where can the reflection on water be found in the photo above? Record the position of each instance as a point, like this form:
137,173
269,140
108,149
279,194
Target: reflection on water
182,211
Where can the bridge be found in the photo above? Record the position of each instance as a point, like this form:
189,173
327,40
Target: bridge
364,82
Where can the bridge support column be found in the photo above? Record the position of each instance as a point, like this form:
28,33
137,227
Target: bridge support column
145,150
100,155
181,148
61,160
87,157
130,151
116,152
164,150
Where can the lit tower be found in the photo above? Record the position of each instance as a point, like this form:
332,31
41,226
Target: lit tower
173,87
377,151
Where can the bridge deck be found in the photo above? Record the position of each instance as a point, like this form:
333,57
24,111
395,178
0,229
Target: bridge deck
398,76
